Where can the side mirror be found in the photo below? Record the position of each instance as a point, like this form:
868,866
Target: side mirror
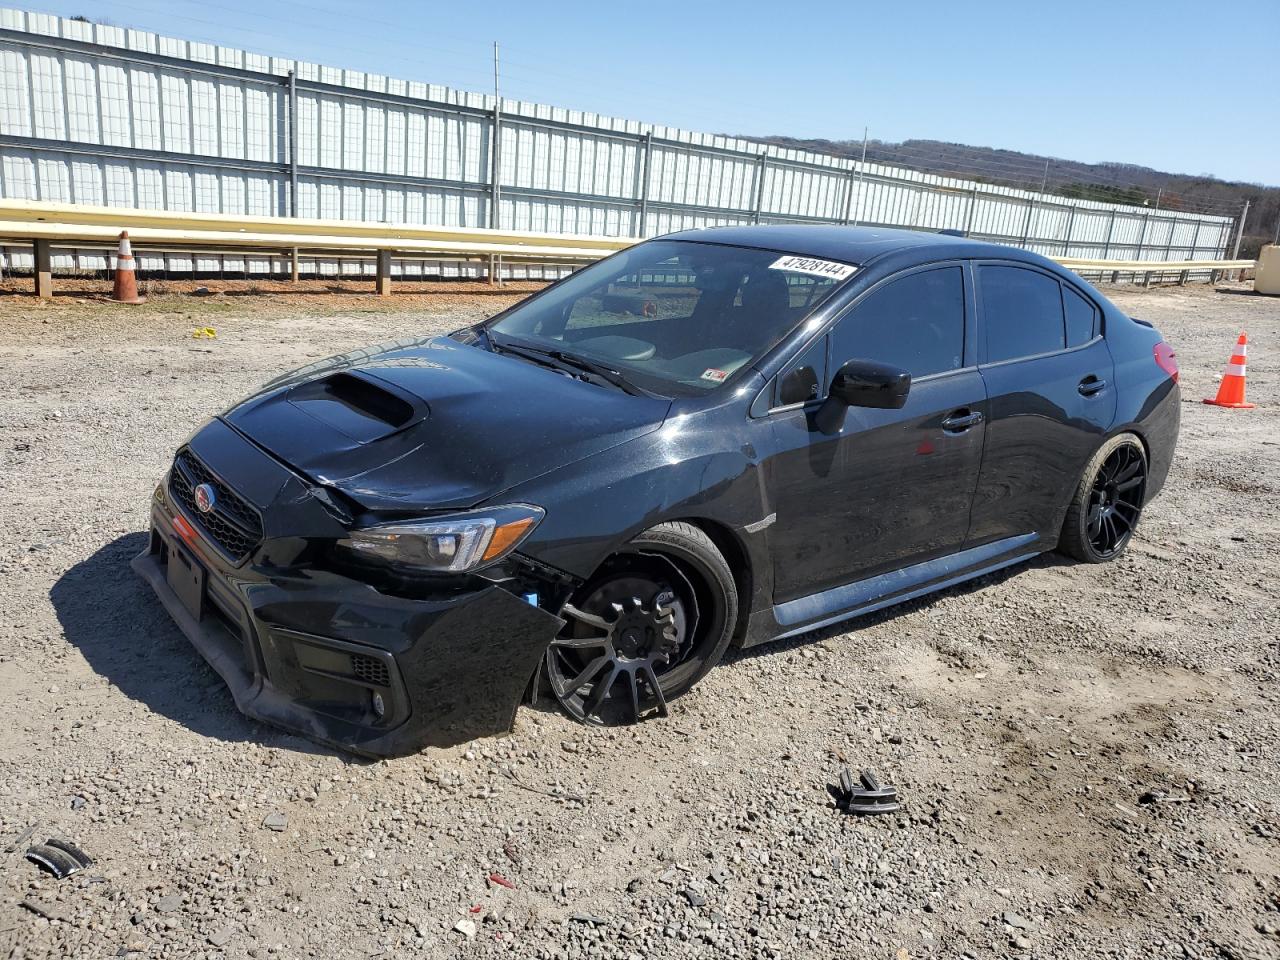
865,383
862,383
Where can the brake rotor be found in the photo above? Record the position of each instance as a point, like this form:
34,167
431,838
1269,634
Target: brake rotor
630,627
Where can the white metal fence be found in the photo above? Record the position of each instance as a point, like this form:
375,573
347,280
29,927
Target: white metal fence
97,114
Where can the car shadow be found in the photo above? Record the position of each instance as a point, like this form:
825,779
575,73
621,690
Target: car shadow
112,617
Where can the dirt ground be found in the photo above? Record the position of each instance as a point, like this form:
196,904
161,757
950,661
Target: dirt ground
1028,719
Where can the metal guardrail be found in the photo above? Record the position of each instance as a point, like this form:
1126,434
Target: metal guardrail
1157,269
1152,266
49,225
46,225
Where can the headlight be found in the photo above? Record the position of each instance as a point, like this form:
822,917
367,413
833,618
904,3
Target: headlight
451,544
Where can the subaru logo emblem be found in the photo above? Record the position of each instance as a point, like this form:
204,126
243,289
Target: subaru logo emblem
205,497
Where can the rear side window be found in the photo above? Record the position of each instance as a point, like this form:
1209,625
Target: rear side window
1082,317
1021,312
916,323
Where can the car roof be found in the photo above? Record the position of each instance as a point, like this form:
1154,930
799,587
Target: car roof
855,245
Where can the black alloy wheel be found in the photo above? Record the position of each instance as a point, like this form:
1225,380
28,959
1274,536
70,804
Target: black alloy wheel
651,622
1108,503
1115,503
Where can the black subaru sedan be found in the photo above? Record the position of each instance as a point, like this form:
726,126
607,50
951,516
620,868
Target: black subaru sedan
723,436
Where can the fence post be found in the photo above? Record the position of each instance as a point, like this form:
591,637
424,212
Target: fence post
1111,226
293,151
761,160
1195,240
645,160
43,269
1168,247
495,166
848,196
1026,224
914,218
857,213
862,166
1142,236
1235,253
384,273
968,214
1071,222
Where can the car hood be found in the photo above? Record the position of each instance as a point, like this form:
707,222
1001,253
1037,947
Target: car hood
434,423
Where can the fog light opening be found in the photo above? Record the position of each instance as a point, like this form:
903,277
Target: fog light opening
379,706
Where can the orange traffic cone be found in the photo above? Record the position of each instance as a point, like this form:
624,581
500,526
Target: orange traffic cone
1231,389
125,289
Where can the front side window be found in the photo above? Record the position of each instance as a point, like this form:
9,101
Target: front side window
915,323
1021,312
675,317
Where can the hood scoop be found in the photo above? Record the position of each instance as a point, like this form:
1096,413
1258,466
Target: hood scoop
359,406
436,424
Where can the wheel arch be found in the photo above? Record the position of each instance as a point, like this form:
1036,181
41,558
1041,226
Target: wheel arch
739,559
1144,438
1136,429
731,546
1103,439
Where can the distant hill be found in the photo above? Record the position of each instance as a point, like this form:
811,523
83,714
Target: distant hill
1116,182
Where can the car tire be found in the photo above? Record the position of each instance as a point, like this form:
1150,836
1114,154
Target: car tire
708,605
687,542
1107,502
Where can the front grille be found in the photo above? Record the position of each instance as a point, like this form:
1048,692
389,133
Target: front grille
233,525
371,670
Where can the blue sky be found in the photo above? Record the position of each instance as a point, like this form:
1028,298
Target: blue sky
1066,80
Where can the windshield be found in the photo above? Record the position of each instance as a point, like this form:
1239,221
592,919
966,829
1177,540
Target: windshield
675,317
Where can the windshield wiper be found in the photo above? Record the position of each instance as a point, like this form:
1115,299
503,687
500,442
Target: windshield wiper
561,358
600,370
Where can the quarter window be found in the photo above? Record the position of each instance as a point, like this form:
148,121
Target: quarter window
916,323
1021,312
1082,317
806,379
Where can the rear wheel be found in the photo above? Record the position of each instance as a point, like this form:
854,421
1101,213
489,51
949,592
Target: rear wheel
1107,503
645,628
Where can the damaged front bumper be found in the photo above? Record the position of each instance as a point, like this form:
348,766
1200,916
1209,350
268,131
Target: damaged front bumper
330,657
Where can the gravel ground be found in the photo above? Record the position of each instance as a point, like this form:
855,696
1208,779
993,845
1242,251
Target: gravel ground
1028,719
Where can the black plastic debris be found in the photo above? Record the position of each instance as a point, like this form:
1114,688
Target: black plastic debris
1162,796
868,796
60,858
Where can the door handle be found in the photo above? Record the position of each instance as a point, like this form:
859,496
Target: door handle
1091,385
961,420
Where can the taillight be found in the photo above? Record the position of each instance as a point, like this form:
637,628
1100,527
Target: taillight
1166,360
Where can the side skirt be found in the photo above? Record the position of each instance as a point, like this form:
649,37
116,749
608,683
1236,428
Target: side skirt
875,593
